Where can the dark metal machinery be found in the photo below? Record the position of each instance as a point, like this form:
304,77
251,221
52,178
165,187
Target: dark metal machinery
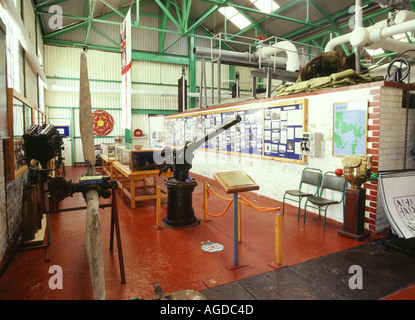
180,187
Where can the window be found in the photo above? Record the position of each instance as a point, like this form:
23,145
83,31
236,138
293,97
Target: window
235,17
12,55
266,6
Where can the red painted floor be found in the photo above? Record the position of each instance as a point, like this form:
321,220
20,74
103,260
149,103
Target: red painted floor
172,257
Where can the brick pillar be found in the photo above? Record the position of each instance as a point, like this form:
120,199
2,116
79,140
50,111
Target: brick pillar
373,141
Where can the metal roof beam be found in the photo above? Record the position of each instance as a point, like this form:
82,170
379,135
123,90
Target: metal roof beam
275,14
48,3
136,55
113,8
66,30
167,12
322,21
291,4
90,18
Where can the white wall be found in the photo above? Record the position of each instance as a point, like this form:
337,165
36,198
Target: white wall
274,177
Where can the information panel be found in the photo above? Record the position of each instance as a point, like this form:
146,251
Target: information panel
271,129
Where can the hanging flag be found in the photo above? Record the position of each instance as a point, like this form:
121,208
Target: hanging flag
126,71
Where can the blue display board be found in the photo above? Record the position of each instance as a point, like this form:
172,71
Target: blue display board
271,129
283,131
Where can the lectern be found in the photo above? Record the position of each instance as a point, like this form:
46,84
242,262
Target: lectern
235,182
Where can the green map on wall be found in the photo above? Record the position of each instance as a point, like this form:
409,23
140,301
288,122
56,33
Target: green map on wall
349,129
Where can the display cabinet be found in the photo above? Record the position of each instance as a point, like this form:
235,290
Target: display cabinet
108,150
135,157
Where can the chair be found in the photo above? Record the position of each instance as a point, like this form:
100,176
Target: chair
310,176
330,182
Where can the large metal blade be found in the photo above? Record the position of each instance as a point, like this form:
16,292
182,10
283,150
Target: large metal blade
93,234
85,116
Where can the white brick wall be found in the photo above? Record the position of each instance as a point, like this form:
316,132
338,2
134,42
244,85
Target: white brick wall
386,123
392,140
274,177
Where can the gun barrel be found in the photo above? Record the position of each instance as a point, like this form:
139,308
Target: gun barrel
196,144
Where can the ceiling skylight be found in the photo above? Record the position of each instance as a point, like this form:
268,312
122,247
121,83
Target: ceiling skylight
266,6
401,37
235,17
374,52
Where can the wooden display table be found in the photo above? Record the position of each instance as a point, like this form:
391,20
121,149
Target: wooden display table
127,181
107,166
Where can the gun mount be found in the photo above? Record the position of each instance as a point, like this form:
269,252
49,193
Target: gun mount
180,212
179,160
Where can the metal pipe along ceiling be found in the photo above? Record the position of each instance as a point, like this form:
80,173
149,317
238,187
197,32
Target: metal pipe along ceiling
378,35
264,57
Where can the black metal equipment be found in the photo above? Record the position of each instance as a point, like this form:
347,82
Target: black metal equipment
60,188
180,212
398,73
42,143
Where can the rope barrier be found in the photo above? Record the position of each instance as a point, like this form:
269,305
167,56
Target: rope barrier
220,214
242,200
262,209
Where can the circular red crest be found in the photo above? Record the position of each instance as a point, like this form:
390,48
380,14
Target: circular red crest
103,123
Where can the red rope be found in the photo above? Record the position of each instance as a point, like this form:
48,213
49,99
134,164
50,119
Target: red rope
242,200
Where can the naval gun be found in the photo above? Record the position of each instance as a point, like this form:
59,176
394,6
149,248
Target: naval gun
180,186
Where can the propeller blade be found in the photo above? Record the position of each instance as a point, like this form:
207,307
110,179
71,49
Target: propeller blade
93,234
85,116
93,240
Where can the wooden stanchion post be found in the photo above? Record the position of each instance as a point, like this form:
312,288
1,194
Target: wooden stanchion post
158,209
205,201
239,222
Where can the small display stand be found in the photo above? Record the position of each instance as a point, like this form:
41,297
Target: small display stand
354,215
235,182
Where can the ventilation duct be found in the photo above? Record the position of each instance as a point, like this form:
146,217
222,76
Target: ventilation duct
269,54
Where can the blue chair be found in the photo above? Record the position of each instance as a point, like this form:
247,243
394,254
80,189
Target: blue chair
311,177
330,182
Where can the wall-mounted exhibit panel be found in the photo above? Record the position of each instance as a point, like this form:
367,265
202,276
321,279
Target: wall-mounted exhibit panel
271,129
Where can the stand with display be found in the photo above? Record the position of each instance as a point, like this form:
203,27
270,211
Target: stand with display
235,182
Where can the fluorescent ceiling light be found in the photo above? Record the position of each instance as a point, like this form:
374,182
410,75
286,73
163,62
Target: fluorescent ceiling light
235,17
266,6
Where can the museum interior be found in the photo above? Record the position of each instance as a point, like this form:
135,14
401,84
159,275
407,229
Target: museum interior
211,150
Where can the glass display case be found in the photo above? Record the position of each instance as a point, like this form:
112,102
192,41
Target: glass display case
135,157
108,149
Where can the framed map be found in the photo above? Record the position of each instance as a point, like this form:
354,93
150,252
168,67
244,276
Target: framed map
350,128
